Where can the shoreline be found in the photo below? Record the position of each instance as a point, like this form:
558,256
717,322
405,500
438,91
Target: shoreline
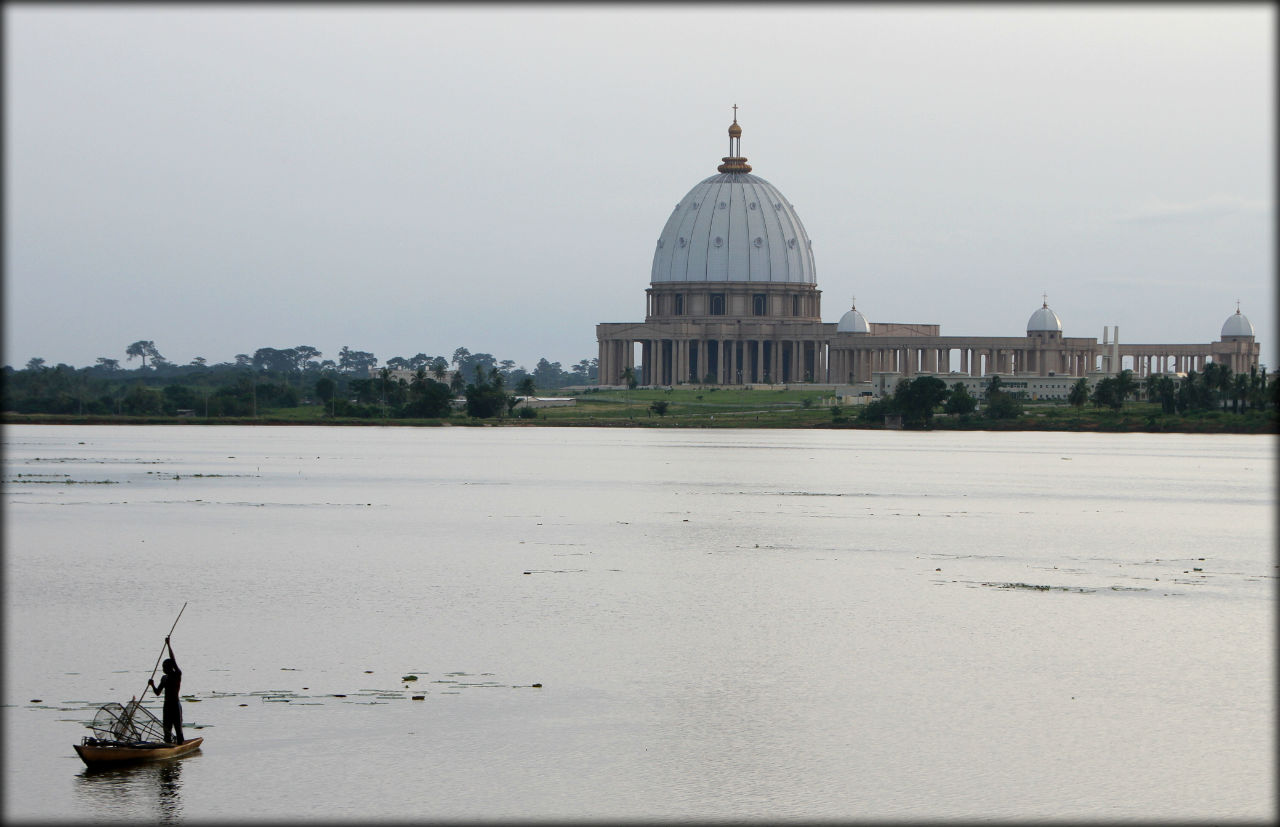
1135,423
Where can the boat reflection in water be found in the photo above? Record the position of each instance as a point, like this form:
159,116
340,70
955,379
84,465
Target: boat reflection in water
128,788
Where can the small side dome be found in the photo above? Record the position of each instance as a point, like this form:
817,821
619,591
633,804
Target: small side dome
1237,325
853,322
1044,320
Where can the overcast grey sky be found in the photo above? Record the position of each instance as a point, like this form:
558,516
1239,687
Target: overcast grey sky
403,179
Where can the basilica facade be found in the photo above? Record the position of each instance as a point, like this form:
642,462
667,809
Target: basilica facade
733,299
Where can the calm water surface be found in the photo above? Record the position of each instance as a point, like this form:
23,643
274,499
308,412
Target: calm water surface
725,624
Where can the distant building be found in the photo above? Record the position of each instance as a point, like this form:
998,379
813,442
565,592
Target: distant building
733,299
546,402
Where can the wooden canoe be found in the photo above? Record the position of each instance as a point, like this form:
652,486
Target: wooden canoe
109,755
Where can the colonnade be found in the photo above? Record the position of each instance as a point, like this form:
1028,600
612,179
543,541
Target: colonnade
1146,364
1146,360
671,361
858,362
733,361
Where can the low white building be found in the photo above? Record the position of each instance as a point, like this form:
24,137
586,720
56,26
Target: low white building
545,401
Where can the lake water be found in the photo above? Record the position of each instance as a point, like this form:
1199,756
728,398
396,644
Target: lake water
728,624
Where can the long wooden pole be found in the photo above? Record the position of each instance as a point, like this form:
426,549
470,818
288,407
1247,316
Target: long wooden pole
162,648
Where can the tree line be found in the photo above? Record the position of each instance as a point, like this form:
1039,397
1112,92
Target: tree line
1216,388
353,384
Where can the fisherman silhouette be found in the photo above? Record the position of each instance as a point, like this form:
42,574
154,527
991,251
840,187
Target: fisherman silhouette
171,683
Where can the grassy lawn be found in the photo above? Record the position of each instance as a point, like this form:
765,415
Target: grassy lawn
706,407
700,407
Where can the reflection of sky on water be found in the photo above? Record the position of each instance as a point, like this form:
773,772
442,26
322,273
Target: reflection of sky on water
141,791
746,624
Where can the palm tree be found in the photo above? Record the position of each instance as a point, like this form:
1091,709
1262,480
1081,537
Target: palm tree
1079,393
1257,387
1167,393
384,374
1125,386
1239,392
629,381
1215,382
1226,379
1151,385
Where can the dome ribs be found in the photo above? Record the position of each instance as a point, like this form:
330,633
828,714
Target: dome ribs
782,257
757,256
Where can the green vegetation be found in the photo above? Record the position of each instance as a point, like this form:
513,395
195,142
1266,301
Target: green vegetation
276,385
292,387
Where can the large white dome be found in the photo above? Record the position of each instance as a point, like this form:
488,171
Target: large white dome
1237,325
1044,319
733,227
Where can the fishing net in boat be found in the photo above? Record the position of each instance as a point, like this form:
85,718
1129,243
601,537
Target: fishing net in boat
129,723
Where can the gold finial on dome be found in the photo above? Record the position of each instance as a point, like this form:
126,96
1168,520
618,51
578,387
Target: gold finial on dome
734,162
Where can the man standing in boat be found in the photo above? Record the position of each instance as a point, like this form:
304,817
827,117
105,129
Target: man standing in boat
171,683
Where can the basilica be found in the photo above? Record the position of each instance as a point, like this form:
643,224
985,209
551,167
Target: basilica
733,299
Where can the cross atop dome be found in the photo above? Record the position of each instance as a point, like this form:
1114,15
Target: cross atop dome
734,162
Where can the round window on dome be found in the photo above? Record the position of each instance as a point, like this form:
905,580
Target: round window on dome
791,243
660,243
758,241
723,205
752,205
682,241
719,242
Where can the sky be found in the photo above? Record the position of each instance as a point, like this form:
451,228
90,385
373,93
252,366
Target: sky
407,179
